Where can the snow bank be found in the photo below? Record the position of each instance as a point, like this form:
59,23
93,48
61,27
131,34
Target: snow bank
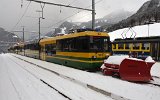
149,59
115,59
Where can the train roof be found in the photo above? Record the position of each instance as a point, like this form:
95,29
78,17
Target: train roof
138,39
35,41
48,40
76,34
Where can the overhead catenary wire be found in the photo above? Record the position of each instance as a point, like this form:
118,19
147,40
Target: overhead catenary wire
72,15
21,16
125,31
60,5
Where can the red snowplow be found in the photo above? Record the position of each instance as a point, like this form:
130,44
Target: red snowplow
130,69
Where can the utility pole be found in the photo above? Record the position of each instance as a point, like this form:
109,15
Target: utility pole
93,14
39,37
40,31
23,42
149,22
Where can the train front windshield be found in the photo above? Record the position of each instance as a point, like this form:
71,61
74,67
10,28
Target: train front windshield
99,44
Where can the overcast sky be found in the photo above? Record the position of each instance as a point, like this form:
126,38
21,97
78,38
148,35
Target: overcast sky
11,12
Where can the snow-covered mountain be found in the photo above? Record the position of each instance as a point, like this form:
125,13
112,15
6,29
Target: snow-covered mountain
63,28
109,19
148,12
7,39
117,16
7,36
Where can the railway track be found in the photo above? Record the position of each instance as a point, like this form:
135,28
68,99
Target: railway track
155,82
62,94
93,88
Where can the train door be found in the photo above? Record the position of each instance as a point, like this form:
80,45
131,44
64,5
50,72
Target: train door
43,52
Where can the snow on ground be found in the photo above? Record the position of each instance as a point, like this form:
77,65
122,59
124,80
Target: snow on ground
107,83
17,84
141,31
26,79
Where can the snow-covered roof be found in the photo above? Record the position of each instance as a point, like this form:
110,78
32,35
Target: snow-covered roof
141,31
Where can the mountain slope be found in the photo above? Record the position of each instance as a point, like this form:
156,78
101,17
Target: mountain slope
149,12
109,19
7,39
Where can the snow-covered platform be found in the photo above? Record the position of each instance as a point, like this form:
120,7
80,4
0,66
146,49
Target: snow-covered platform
27,78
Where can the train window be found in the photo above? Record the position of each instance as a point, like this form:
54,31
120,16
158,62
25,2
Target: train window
106,44
74,44
50,49
120,46
99,44
145,46
128,46
136,46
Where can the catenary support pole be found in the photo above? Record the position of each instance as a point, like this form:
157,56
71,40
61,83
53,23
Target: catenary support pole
93,14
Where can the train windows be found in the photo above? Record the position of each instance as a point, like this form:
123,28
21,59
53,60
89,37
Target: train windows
50,49
145,46
33,46
128,46
74,44
84,44
136,46
99,44
120,46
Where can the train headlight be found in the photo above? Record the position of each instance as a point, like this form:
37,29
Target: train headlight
94,57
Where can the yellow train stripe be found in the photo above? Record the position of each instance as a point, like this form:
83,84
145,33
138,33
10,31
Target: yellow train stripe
83,55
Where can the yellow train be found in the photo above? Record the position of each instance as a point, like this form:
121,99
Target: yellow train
83,50
140,47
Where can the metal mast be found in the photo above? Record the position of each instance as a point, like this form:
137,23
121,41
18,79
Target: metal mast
93,14
23,41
